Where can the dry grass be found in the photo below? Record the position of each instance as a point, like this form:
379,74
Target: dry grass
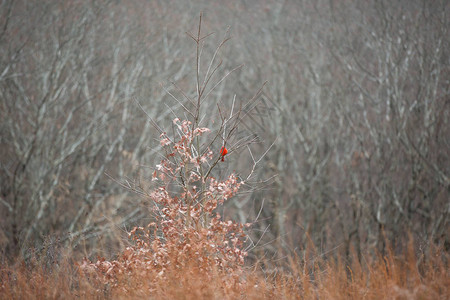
407,276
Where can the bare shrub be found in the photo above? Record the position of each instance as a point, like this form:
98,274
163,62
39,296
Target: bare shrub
188,235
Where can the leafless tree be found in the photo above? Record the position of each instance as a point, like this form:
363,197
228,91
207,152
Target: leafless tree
355,114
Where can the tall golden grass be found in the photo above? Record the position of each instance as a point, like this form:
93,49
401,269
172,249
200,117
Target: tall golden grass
405,276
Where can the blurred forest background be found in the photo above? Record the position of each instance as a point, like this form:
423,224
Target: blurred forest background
356,108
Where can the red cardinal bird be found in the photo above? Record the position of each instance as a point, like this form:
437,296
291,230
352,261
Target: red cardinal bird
223,152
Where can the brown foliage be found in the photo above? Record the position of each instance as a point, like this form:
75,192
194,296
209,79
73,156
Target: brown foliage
186,236
406,276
